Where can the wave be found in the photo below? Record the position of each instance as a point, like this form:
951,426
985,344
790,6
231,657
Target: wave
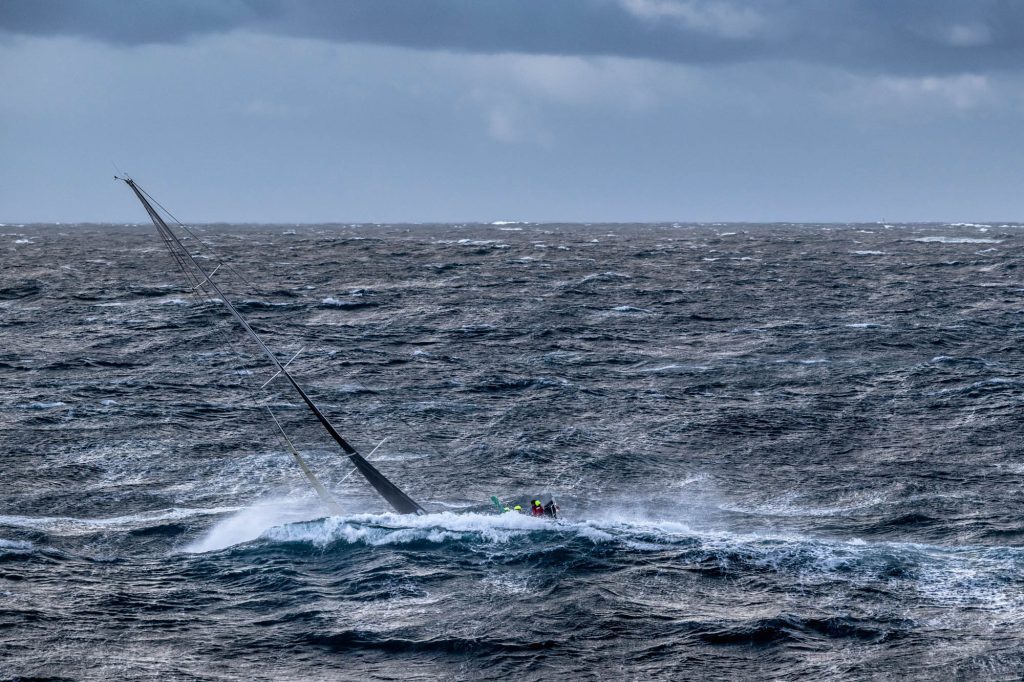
979,576
250,523
605,277
475,242
66,525
350,639
250,304
787,506
674,366
40,405
22,289
390,529
958,240
282,521
332,302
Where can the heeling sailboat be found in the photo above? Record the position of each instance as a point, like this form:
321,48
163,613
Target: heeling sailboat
398,499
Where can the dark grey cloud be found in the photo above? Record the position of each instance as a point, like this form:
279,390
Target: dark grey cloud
879,36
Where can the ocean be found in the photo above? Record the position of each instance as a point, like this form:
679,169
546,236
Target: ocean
780,452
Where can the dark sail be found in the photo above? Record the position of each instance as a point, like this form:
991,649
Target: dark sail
402,503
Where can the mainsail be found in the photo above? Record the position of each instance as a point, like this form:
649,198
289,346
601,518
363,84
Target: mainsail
402,503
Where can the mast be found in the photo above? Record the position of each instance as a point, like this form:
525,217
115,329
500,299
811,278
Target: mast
402,503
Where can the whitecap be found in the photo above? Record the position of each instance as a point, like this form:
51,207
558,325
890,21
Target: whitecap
474,242
66,525
262,304
995,381
805,361
958,240
672,366
696,478
277,522
40,405
606,276
517,584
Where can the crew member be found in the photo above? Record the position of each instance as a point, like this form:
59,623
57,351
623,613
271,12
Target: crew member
538,510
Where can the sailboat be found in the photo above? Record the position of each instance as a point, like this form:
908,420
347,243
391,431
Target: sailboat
205,280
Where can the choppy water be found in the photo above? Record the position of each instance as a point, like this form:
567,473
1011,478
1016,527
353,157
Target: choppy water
785,452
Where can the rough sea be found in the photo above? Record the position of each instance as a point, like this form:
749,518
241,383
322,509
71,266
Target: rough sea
786,452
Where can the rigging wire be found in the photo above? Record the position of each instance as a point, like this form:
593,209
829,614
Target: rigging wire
206,246
380,400
394,495
221,329
186,261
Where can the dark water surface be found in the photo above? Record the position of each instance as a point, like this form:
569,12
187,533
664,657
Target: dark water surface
786,452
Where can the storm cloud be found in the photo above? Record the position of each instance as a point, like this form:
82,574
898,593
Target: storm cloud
909,38
467,110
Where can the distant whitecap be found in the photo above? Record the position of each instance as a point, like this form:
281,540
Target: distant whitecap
958,240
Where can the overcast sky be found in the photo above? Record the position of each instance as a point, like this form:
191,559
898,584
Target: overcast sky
538,110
